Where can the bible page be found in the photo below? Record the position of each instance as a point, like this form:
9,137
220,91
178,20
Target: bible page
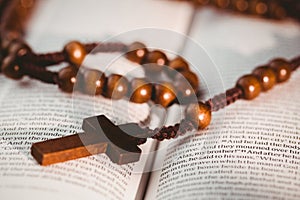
251,149
32,111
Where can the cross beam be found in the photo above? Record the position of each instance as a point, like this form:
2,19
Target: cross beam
100,135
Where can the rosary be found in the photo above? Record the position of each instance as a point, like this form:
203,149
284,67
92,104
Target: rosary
120,142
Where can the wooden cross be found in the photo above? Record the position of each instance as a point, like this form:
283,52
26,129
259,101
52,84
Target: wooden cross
100,136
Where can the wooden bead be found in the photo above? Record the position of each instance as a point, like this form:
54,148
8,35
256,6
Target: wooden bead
185,91
266,76
75,53
116,86
164,94
157,57
282,69
155,61
177,65
12,36
257,7
277,11
11,68
222,3
141,90
199,114
241,5
19,49
136,52
191,77
67,78
94,81
250,86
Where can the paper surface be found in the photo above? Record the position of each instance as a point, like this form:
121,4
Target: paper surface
32,111
251,149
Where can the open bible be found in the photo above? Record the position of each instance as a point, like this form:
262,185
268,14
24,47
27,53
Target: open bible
251,150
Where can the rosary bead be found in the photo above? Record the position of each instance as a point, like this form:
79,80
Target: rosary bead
164,94
281,68
199,114
94,81
75,53
116,86
241,5
250,86
155,61
184,89
11,68
191,77
222,3
12,36
277,11
266,76
177,64
141,90
19,49
157,57
136,52
67,78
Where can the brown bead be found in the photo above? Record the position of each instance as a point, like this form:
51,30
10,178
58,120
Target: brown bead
282,69
261,8
164,94
250,86
266,76
75,53
258,7
154,61
141,90
94,81
67,78
191,77
279,12
116,86
177,65
11,68
222,3
184,89
19,49
136,52
10,37
241,5
157,57
199,114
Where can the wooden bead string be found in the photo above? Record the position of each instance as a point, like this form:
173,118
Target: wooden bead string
271,9
248,87
20,60
198,115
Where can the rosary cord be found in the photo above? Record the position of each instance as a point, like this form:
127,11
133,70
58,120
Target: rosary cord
54,58
39,73
34,65
220,101
295,63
